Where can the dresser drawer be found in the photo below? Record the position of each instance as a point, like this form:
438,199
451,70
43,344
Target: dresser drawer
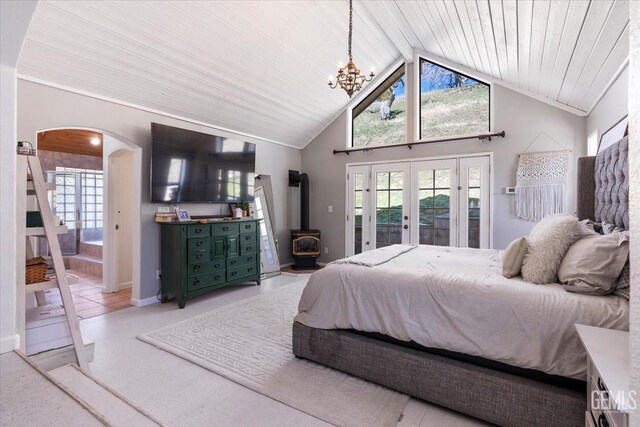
248,238
198,269
205,280
198,257
198,230
224,229
248,248
238,273
199,244
239,261
248,227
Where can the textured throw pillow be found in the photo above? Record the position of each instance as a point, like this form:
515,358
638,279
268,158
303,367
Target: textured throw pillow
513,256
608,228
623,285
549,241
594,263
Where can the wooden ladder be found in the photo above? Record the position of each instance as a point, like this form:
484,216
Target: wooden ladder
50,231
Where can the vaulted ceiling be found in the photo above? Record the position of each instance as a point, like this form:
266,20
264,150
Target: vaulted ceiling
260,67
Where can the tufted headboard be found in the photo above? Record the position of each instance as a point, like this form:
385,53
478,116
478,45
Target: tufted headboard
603,185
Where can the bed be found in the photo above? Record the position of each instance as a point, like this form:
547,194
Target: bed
443,325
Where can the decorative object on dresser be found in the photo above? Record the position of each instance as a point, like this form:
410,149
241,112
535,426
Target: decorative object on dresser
305,242
197,258
609,396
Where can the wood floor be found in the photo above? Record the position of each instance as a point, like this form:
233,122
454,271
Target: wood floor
88,299
181,393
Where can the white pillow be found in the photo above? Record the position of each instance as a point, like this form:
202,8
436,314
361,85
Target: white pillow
549,241
513,256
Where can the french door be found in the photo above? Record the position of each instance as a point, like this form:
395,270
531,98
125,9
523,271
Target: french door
432,202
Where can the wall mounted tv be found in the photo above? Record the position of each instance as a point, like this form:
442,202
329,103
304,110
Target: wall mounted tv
194,167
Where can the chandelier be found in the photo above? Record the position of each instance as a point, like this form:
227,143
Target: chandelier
349,77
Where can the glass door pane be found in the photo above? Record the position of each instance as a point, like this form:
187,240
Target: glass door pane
434,203
474,202
391,207
358,211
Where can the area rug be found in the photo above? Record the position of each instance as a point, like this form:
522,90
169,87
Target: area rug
249,342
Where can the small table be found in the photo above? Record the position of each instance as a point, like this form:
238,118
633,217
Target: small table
608,376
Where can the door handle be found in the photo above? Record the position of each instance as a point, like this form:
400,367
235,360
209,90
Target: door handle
117,227
406,217
406,227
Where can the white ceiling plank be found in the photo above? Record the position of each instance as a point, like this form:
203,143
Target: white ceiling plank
615,62
474,40
525,12
539,27
427,39
591,31
493,12
555,26
140,88
614,27
378,13
484,39
573,25
464,34
510,17
437,28
454,30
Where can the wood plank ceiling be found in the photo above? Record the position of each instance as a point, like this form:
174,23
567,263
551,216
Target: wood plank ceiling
260,67
74,141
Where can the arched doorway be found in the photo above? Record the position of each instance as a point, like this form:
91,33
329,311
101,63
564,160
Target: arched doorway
99,215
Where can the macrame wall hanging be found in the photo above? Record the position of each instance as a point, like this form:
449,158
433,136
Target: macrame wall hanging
541,183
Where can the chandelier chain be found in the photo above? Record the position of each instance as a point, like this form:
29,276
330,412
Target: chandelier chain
350,27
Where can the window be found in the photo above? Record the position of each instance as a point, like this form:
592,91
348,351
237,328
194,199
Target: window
451,103
592,144
82,187
382,116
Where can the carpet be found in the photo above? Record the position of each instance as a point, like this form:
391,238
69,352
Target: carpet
249,342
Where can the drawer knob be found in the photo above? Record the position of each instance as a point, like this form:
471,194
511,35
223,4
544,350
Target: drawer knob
196,267
250,269
233,274
198,230
200,243
216,277
247,227
250,258
199,256
225,228
197,281
233,262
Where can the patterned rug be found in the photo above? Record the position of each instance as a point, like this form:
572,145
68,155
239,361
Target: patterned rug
249,342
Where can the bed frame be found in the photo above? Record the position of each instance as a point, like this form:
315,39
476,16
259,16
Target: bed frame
491,393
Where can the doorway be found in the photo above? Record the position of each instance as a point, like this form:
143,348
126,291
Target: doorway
77,161
442,202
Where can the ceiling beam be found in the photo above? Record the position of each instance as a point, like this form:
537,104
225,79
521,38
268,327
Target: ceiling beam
389,27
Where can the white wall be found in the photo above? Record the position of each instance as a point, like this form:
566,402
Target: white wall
523,118
15,17
43,107
613,106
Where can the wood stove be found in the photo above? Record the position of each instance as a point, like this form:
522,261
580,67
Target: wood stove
305,242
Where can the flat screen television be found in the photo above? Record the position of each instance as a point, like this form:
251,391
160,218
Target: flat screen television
194,167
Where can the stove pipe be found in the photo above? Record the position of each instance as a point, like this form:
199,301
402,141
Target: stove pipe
304,202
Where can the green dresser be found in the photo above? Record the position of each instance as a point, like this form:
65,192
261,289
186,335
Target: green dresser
198,258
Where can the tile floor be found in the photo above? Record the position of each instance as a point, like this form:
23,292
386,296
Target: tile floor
88,299
183,394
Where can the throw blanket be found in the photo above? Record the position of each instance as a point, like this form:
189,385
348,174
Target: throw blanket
540,185
376,257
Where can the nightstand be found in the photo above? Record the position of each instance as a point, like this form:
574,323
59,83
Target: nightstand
608,376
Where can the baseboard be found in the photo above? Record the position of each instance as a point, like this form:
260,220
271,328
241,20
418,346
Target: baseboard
125,285
9,343
144,301
287,264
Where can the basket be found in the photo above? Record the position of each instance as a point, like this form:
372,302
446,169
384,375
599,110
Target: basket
36,270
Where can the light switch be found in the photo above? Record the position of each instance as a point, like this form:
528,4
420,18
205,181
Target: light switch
330,209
